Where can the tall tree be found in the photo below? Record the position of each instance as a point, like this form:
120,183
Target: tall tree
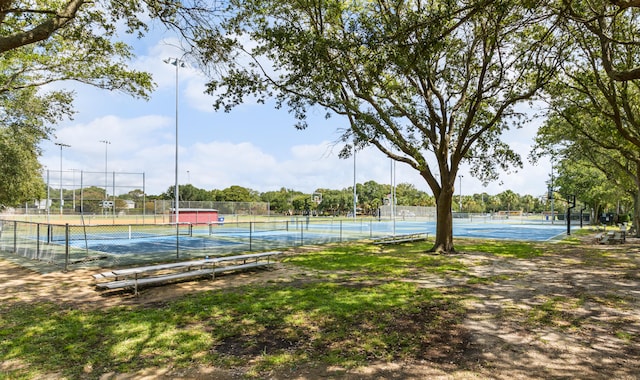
595,163
335,202
24,120
592,114
237,193
431,84
370,195
279,201
509,200
49,41
601,190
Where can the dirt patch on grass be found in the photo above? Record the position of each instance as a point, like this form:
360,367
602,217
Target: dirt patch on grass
573,312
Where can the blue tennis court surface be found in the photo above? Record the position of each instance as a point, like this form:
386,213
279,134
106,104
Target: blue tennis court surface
153,244
229,238
528,232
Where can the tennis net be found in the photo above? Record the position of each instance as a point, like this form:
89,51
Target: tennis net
58,233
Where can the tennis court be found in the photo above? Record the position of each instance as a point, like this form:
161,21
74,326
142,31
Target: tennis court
234,237
525,232
152,244
108,245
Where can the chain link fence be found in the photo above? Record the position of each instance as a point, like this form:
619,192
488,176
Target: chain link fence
70,246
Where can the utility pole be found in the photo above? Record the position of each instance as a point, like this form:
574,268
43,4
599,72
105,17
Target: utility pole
61,145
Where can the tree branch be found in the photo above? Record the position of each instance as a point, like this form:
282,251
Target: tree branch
43,30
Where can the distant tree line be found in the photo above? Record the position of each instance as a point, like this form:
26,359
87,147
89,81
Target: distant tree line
370,196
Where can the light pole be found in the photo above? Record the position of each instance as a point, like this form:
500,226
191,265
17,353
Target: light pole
106,182
460,176
355,194
61,145
48,195
73,181
177,63
393,195
551,195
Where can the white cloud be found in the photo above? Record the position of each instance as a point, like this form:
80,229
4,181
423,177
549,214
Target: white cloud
251,147
145,145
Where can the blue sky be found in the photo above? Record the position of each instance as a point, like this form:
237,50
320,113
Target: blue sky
255,145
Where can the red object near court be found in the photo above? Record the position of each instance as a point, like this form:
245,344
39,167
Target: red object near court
195,215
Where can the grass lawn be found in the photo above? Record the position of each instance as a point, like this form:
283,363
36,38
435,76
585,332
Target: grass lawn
353,305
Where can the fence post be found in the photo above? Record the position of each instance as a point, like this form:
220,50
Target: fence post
341,231
38,241
66,246
250,235
15,236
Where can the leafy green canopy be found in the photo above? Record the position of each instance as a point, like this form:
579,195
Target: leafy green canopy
25,119
593,106
50,41
615,27
431,84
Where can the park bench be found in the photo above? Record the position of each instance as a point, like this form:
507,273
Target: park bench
598,238
619,237
611,237
163,273
398,239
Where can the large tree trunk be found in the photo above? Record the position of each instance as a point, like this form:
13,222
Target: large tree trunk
636,203
444,222
636,214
